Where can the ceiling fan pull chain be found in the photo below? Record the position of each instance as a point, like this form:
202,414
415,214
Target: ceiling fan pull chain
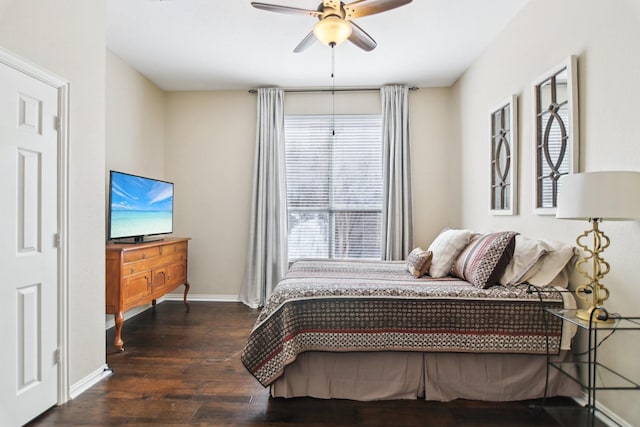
333,88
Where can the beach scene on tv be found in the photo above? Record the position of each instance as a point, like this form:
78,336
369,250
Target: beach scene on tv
140,206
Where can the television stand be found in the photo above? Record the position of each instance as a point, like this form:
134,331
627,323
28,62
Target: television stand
139,273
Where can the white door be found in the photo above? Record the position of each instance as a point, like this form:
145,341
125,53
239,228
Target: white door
28,252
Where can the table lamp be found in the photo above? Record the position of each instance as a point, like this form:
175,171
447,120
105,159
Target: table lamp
597,196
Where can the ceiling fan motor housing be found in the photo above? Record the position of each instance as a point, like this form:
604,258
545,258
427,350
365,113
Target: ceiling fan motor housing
331,8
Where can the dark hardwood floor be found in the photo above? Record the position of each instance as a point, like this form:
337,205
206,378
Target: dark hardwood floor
183,368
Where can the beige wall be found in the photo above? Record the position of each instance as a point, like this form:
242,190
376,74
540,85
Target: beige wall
68,38
209,155
135,121
606,37
435,168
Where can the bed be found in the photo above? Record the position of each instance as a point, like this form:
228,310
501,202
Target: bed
371,330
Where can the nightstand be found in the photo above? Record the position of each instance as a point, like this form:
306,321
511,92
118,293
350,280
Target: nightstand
598,376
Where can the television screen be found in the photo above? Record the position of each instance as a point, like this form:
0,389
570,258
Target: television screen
139,206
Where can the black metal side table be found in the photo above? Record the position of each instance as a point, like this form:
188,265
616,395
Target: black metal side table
598,376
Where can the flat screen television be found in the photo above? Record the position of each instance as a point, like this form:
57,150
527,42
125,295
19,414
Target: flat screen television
138,207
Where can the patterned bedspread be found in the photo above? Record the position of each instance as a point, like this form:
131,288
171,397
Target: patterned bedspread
344,306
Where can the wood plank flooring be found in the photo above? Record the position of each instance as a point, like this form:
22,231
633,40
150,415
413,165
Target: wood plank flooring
183,369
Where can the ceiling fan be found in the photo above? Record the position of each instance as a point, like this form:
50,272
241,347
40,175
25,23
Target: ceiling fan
335,23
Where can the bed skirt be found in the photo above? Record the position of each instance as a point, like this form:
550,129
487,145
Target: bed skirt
432,376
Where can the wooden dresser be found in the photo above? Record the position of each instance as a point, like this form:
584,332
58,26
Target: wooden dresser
139,273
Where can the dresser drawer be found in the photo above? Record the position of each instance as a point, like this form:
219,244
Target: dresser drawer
149,264
174,247
139,254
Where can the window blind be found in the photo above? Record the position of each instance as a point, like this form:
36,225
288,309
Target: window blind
334,185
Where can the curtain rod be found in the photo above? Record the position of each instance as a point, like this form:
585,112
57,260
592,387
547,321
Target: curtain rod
361,89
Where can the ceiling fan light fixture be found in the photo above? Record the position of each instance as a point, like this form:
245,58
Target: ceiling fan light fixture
332,30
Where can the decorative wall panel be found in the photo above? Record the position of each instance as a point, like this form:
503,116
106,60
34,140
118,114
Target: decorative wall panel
555,132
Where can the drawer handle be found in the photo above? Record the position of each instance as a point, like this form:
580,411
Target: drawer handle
144,256
132,271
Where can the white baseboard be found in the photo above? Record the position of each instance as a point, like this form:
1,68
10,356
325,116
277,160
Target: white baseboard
613,419
81,386
204,297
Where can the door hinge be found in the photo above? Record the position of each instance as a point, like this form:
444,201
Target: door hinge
56,240
57,356
56,123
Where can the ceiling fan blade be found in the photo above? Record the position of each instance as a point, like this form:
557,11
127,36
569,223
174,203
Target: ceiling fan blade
360,38
360,8
305,43
284,9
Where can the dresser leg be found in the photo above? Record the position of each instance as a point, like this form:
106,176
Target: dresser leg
186,291
153,305
118,343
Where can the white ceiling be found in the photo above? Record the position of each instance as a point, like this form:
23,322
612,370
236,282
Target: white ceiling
219,45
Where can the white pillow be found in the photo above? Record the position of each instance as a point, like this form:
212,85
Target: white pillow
555,266
524,263
446,248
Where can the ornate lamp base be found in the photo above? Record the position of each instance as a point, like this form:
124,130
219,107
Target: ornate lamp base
593,292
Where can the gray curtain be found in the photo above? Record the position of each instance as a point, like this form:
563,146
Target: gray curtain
397,215
267,255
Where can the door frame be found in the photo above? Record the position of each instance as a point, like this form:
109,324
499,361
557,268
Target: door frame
62,86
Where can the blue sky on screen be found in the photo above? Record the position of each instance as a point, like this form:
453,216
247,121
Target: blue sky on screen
130,192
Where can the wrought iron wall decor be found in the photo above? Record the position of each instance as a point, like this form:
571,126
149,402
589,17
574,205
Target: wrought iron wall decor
504,157
556,131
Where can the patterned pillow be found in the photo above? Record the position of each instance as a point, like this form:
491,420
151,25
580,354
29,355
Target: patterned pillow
418,262
446,248
484,260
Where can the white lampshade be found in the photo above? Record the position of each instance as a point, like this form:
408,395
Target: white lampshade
332,30
605,195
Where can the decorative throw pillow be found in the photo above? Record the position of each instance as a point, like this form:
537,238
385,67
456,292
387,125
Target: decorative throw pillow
524,262
446,248
484,260
418,262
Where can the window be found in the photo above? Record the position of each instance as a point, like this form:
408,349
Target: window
334,186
